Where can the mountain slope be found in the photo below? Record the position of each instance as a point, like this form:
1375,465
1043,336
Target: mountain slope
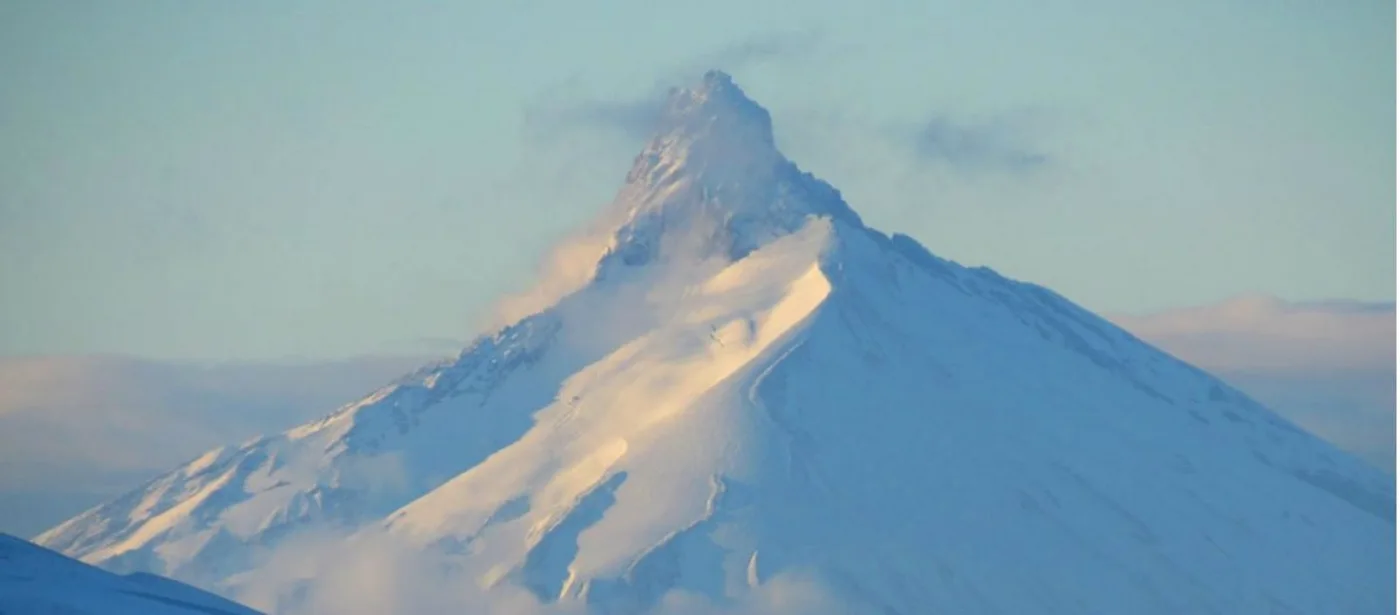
36,580
753,386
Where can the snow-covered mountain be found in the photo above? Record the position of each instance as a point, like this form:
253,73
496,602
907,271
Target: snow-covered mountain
36,580
752,386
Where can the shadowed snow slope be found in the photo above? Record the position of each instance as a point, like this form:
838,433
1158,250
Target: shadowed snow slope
36,580
752,385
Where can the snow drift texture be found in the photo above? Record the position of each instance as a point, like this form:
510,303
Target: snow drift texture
753,402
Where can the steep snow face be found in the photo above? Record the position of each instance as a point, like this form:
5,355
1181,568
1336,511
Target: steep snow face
36,580
923,438
755,386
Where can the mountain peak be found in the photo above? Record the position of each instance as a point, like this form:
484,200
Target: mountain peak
718,89
715,78
717,93
716,110
712,178
719,85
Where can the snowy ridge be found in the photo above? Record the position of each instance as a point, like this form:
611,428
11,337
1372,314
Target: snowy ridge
755,387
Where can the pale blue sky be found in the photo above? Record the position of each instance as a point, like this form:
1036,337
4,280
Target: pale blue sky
252,180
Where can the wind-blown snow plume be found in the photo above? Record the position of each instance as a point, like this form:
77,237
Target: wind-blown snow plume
567,267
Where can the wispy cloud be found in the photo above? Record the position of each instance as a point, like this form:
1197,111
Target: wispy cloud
754,50
422,347
1260,332
633,119
1002,143
636,118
